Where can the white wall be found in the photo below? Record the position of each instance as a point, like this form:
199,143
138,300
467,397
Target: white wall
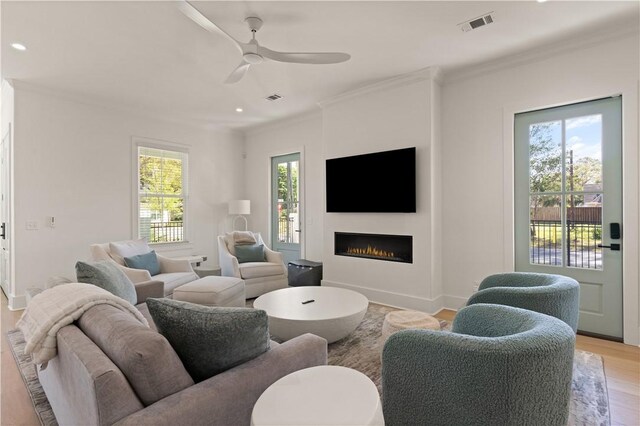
300,134
477,174
391,115
73,161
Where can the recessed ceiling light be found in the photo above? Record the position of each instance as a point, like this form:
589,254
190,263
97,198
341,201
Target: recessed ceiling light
239,110
541,1
19,46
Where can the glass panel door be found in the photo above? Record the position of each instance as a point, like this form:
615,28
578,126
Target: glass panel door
568,192
285,210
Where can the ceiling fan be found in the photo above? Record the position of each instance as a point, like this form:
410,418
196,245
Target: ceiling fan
252,52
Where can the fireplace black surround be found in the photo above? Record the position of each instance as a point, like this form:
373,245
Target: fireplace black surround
392,248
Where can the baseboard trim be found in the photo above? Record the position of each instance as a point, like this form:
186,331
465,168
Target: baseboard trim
16,303
454,303
396,300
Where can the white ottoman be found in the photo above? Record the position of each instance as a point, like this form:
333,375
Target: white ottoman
213,291
403,320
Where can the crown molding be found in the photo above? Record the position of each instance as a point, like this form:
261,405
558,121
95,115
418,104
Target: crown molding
424,74
282,122
89,101
535,54
437,75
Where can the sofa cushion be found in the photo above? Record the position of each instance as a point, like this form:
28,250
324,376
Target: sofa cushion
148,261
250,253
210,340
144,356
120,249
260,269
108,276
144,310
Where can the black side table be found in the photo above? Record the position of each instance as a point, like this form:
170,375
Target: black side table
304,272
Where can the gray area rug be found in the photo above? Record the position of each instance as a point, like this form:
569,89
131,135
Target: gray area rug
361,351
30,377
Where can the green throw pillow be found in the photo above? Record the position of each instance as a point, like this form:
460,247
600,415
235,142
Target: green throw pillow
209,339
107,275
148,261
250,253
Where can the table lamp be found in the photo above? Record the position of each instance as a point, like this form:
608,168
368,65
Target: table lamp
239,208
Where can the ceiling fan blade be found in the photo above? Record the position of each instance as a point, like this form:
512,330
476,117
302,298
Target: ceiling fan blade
238,73
304,58
196,16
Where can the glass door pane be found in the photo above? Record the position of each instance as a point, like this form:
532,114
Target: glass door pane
288,204
566,192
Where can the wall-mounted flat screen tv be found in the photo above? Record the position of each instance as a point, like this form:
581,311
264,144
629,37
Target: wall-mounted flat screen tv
379,182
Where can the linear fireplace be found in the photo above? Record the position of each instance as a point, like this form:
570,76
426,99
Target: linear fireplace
392,248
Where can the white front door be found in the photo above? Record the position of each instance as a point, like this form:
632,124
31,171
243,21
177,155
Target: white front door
568,204
5,185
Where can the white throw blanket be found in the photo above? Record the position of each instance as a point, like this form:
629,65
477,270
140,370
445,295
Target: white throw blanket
57,307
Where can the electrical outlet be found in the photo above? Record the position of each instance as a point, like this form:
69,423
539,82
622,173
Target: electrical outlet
32,225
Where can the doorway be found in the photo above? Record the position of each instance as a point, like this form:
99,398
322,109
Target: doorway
568,204
5,186
285,205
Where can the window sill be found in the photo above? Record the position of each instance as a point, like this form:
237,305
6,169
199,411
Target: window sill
168,247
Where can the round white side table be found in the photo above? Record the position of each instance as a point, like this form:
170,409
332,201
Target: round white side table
326,395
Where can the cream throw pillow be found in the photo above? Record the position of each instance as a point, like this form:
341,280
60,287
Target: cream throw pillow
121,249
238,238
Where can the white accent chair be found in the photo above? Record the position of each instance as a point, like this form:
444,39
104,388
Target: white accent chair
259,277
173,272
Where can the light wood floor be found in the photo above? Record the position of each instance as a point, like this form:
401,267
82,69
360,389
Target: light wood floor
621,362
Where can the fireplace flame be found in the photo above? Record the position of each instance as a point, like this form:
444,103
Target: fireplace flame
370,251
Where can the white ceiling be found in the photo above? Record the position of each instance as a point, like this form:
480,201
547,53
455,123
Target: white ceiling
148,56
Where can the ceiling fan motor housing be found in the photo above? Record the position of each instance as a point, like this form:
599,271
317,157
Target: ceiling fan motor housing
254,23
252,58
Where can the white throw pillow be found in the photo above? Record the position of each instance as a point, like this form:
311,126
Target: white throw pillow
121,249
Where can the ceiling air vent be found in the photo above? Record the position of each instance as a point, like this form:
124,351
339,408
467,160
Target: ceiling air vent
273,97
478,22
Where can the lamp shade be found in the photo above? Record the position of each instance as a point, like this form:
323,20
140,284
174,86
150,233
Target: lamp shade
240,207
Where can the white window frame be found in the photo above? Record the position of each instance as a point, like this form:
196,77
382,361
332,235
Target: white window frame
139,142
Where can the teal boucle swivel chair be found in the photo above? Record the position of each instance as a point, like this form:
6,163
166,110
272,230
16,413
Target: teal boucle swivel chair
550,294
499,366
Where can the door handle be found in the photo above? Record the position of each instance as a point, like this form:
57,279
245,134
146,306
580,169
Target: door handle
2,230
613,247
298,230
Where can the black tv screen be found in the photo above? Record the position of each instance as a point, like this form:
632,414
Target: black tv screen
379,182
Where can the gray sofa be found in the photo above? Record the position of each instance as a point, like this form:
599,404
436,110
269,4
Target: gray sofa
86,387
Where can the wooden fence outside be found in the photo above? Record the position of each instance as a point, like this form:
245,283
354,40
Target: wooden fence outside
574,214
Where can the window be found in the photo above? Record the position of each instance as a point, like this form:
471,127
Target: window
161,193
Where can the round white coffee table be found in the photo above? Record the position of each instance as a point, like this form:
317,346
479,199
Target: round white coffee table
332,314
325,395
